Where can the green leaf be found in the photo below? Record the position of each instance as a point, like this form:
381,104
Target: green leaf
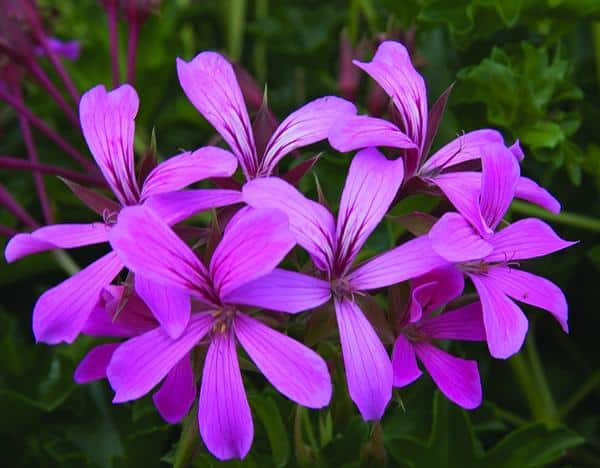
542,134
268,413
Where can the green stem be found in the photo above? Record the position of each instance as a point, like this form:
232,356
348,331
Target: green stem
261,10
549,410
569,219
189,440
509,416
580,394
523,376
65,261
235,22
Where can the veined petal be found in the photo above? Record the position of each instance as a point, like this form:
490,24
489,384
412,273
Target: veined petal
305,126
368,368
409,260
361,131
454,239
170,305
108,125
457,378
94,363
464,323
283,291
404,362
505,323
530,191
176,395
174,207
533,290
57,236
370,188
209,83
139,364
61,312
293,369
517,151
527,238
435,289
224,416
310,222
184,169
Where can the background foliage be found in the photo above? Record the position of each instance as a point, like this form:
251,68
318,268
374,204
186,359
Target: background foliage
530,68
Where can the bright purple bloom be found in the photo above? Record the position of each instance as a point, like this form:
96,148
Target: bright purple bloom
457,378
414,128
487,256
370,187
254,242
67,49
210,84
107,121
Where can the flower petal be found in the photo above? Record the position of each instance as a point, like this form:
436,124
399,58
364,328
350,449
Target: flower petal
57,236
283,291
368,368
505,323
371,185
140,363
224,416
209,83
454,239
176,395
361,131
435,289
108,125
404,362
409,260
457,378
61,312
171,306
464,323
530,191
303,127
94,363
249,249
184,169
311,223
293,369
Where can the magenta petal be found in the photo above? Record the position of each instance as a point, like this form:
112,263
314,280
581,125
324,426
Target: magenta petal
311,223
404,362
409,260
174,207
361,131
108,125
57,236
252,246
305,126
527,238
283,291
464,323
171,306
437,288
176,395
505,323
224,416
61,312
517,151
370,188
94,363
533,290
182,170
293,369
368,368
454,239
530,191
457,378
142,362
210,84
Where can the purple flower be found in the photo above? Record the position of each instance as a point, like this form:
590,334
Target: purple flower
210,84
67,49
470,241
107,121
414,128
254,242
457,378
370,187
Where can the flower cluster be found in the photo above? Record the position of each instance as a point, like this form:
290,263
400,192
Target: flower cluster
188,297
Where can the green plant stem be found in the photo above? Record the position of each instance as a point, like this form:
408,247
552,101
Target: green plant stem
235,22
523,375
580,394
569,219
65,261
549,410
189,440
509,416
261,10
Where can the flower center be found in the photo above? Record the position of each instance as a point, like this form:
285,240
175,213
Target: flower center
413,333
223,319
341,288
109,217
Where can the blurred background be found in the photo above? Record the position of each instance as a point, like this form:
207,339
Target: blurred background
530,68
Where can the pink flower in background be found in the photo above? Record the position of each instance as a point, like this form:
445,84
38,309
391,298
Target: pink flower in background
254,242
210,84
457,378
67,49
371,185
107,121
